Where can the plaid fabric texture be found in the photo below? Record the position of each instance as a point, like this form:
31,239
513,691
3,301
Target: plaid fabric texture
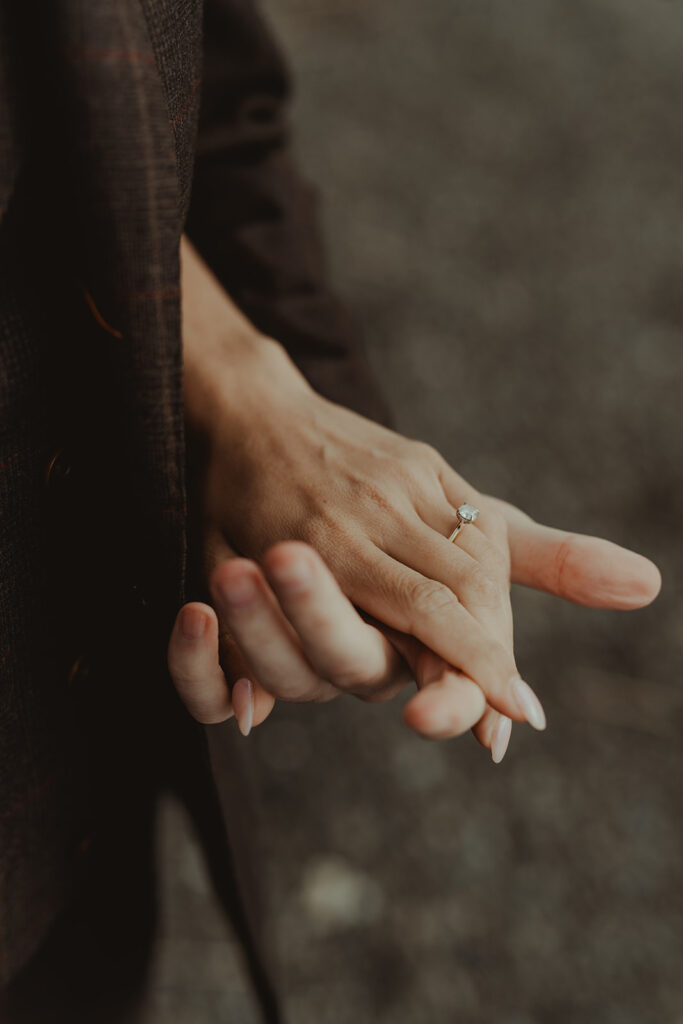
123,123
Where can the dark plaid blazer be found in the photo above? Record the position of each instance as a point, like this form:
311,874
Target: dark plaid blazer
124,123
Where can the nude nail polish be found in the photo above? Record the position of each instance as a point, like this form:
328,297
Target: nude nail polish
243,704
528,703
501,738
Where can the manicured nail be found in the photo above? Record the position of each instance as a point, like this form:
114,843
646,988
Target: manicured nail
528,703
193,623
501,738
243,704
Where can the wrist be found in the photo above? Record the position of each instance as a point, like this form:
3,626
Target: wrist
237,376
229,366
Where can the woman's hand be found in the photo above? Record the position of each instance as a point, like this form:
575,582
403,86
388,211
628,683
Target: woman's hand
282,462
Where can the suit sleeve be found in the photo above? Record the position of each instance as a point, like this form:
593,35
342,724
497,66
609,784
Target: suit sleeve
254,219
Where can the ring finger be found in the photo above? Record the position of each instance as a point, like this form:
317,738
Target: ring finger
487,542
476,569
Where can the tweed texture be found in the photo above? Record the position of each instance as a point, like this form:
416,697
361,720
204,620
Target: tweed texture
112,141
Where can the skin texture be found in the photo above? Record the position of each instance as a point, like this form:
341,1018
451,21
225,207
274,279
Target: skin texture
326,552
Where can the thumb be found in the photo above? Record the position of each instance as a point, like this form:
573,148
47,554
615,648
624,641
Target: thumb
586,570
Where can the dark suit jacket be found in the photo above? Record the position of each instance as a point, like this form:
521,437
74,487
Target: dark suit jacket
121,126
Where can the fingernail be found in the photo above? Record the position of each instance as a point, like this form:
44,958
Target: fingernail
501,738
193,623
240,591
528,703
243,704
293,577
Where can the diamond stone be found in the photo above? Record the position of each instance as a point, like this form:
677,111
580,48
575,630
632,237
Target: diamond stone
468,513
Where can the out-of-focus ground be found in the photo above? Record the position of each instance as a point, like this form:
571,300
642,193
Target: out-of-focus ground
503,190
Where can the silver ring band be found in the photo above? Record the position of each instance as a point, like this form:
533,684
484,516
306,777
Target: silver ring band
466,514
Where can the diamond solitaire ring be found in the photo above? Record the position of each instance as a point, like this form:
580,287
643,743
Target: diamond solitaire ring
466,514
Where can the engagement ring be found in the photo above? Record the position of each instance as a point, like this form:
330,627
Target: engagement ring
466,514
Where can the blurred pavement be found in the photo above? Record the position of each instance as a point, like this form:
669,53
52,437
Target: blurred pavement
503,190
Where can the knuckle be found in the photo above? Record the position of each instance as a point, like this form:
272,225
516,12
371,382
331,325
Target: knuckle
320,516
425,453
366,674
322,533
482,587
355,677
377,498
429,597
417,461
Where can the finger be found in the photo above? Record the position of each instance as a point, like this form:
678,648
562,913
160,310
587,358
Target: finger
340,646
412,603
196,672
194,667
485,541
493,731
249,609
447,703
479,577
252,705
260,703
491,728
586,570
491,522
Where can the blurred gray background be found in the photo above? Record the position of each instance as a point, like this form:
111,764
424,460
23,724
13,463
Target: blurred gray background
503,193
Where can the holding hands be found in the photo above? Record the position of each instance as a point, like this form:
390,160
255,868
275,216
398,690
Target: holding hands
326,540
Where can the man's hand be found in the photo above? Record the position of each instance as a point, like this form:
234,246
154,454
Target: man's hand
286,630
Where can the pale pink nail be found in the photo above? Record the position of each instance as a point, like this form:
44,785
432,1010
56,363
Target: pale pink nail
501,738
243,704
528,703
